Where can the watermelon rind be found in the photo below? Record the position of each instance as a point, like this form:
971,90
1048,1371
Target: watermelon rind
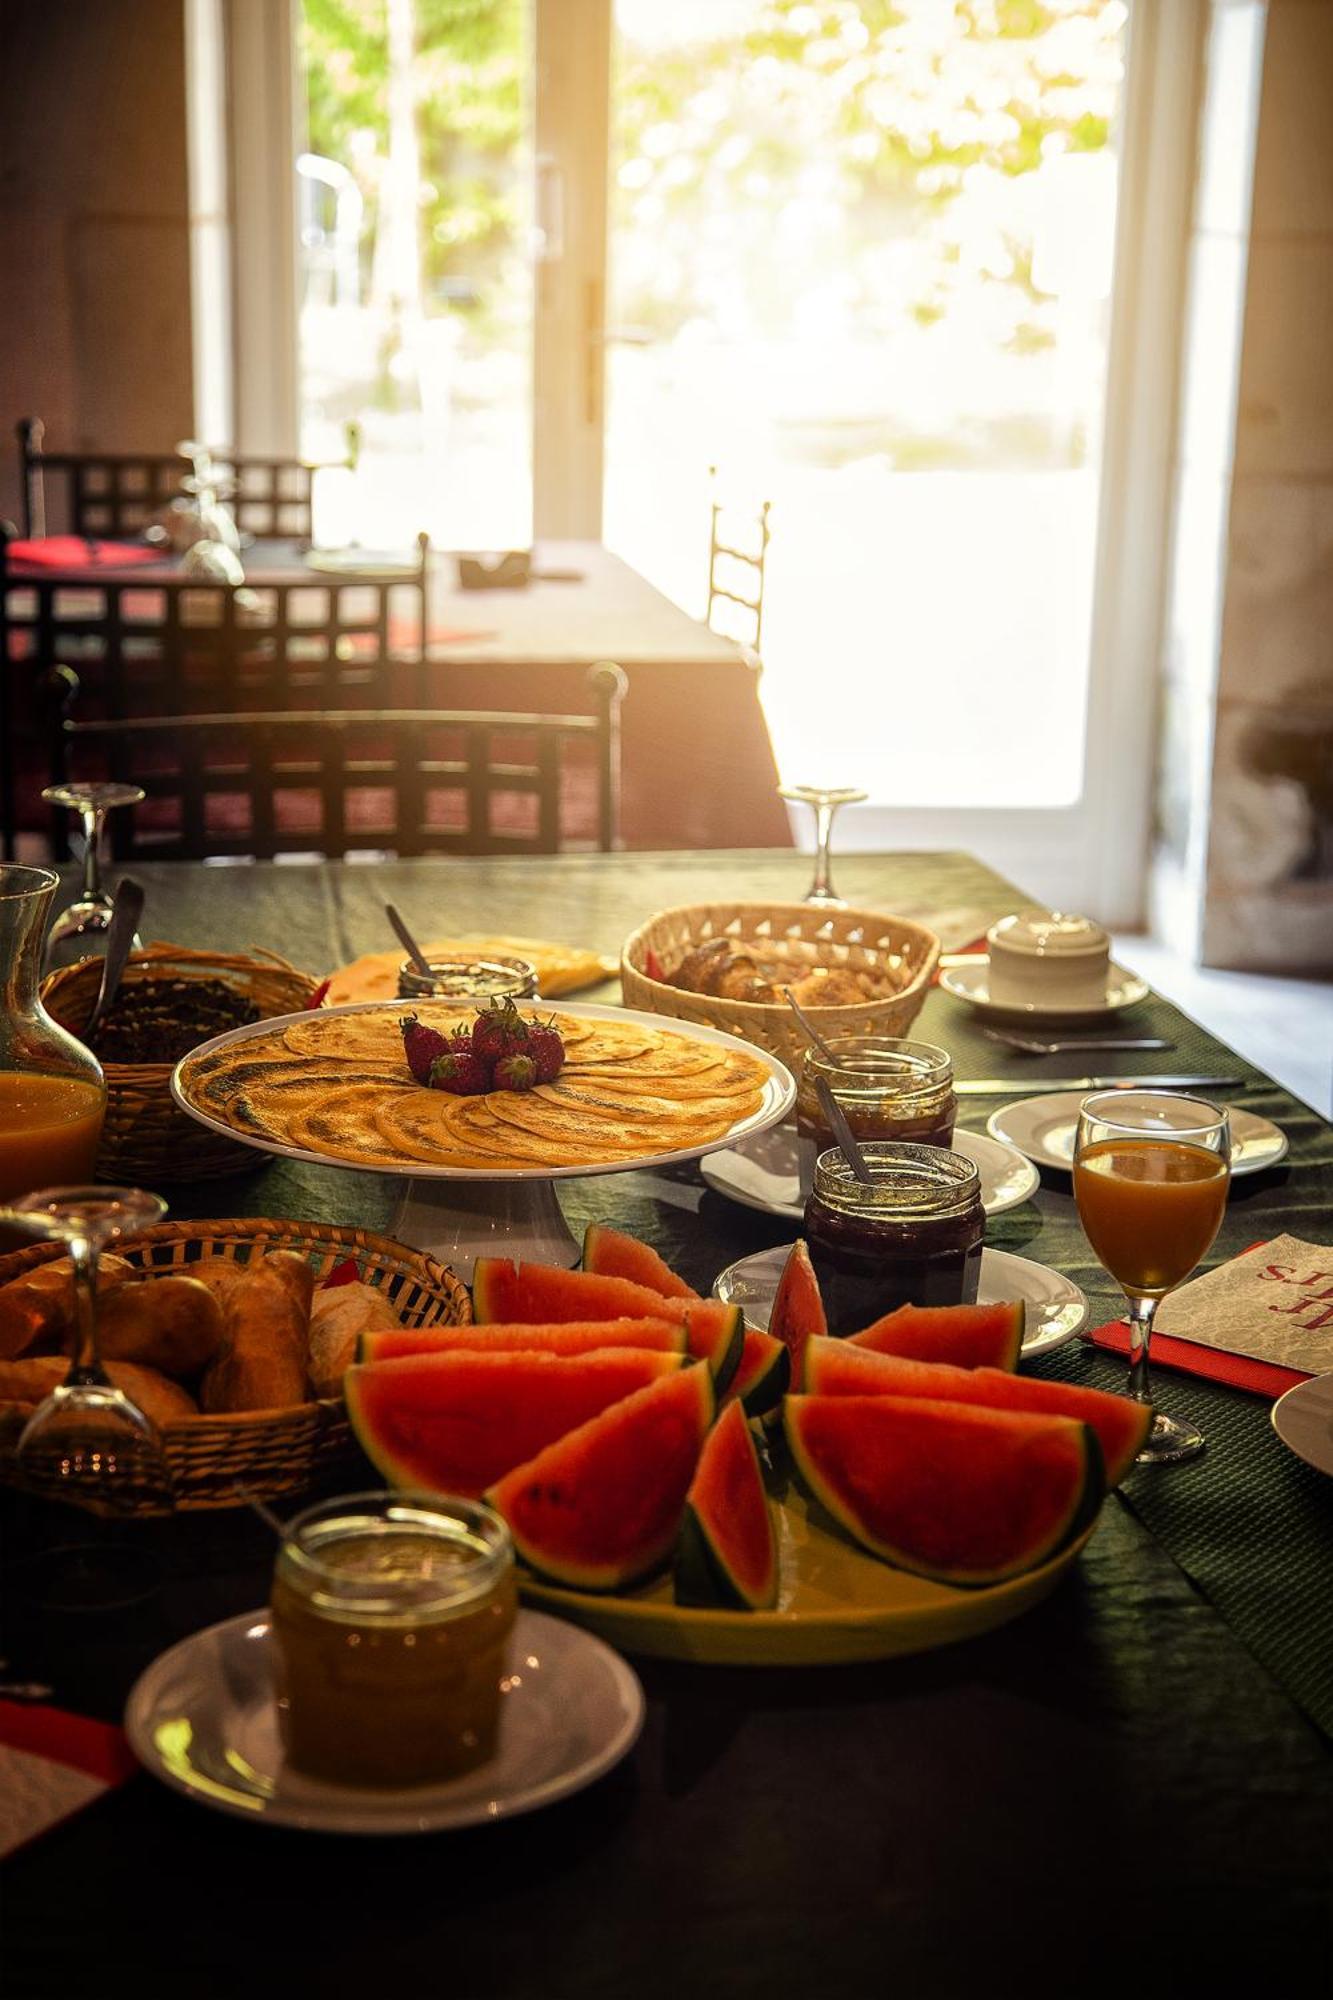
614,1253
601,1507
838,1368
711,1566
960,1466
763,1373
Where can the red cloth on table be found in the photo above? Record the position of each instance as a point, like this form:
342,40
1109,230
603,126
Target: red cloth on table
74,552
1238,1371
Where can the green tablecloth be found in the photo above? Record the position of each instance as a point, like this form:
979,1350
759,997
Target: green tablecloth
1121,1793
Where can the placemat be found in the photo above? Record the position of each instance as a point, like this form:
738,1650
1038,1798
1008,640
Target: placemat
1250,1524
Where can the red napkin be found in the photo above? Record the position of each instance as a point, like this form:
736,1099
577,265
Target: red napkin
53,1764
74,552
1238,1371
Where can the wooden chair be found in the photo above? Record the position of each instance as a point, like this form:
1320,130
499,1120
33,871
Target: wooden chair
737,557
330,782
159,644
114,495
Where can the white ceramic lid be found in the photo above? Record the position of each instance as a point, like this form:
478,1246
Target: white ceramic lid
1049,934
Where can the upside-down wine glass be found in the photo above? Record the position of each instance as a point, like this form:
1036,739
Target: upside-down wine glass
80,931
825,800
1151,1173
87,1444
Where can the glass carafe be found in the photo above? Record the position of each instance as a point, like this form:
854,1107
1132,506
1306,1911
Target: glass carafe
52,1091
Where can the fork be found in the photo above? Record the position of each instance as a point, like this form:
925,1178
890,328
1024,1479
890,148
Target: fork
1029,1046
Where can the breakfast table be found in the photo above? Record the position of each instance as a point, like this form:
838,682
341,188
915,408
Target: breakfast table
1126,1790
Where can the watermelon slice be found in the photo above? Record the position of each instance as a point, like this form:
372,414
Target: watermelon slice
663,1336
965,1336
798,1309
966,1496
837,1368
728,1550
511,1292
760,1382
603,1505
453,1423
610,1253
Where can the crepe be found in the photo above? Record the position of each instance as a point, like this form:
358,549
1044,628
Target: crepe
560,968
338,1085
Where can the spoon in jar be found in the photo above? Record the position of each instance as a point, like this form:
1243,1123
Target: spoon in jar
808,1028
409,943
256,1506
833,1111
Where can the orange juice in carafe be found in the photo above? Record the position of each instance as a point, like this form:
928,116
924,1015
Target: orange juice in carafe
52,1092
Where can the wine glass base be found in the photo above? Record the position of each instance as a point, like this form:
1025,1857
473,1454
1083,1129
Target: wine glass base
1170,1440
825,899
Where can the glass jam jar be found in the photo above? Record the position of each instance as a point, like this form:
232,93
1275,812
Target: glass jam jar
912,1236
886,1089
468,979
391,1616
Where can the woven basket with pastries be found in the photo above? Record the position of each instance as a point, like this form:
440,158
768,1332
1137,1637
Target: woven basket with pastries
146,1138
274,1451
724,965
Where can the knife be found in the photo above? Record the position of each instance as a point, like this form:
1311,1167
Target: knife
1034,1086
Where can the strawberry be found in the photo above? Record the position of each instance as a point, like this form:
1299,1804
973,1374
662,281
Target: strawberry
547,1050
462,1072
499,1030
422,1046
516,1072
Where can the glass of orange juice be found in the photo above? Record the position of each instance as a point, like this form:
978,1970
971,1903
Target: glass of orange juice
1151,1173
52,1092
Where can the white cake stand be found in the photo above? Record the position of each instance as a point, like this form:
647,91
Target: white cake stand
462,1213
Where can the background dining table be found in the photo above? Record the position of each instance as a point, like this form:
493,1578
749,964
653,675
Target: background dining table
698,766
1125,1791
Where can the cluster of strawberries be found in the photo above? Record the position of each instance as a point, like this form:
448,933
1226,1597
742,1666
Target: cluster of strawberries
500,1051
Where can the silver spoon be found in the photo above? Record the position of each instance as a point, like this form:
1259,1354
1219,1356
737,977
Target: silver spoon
126,910
808,1028
257,1506
408,942
834,1113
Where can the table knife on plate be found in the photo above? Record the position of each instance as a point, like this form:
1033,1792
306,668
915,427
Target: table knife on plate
1038,1086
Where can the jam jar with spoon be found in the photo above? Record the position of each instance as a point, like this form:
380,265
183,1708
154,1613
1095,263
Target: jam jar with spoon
911,1235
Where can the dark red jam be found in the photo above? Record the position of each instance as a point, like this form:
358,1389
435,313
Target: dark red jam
912,1237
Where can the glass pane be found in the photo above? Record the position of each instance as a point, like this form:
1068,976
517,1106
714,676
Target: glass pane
861,261
416,279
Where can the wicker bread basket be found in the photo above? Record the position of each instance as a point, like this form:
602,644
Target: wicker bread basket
795,934
146,1138
272,1452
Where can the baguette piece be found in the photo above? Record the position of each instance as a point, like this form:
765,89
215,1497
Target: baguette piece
261,1364
338,1318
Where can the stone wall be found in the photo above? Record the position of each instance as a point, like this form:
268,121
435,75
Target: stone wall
94,228
1268,887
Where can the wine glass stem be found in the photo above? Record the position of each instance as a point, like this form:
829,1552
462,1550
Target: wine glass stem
822,884
87,1361
92,817
1141,1315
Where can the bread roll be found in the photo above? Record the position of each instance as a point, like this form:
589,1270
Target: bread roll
37,1310
173,1324
338,1318
26,1383
261,1364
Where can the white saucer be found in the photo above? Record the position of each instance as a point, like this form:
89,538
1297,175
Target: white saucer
761,1172
1303,1419
1056,1308
203,1719
967,981
1044,1128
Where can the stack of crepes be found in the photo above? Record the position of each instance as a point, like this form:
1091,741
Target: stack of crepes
560,968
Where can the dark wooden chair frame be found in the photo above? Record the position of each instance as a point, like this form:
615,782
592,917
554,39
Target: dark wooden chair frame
113,495
323,756
201,655
722,552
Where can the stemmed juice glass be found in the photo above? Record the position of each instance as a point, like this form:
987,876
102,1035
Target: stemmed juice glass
80,931
87,1443
825,801
1151,1173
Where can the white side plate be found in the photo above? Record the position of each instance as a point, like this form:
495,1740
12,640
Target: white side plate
761,1172
1044,1128
1303,1419
203,1719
